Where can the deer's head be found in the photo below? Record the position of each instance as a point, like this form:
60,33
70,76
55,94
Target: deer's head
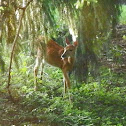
69,50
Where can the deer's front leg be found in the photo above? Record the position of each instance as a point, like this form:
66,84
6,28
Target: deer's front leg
66,81
65,85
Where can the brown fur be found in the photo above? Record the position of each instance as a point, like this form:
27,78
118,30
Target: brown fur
52,53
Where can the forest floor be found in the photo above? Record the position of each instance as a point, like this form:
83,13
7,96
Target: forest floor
117,63
15,113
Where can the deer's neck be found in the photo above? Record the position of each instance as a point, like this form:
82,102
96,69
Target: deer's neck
71,60
68,63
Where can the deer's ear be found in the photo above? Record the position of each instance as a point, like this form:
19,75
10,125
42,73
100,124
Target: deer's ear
76,43
67,41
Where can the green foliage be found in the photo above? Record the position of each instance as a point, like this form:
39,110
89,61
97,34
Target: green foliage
1,8
124,37
98,103
123,15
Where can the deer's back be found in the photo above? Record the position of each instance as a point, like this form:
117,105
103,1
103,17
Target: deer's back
53,54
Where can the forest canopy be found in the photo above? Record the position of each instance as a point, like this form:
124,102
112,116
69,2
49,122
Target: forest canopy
88,21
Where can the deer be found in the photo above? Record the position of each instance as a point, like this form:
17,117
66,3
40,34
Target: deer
55,55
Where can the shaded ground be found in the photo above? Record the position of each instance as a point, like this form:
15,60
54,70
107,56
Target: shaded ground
115,57
16,113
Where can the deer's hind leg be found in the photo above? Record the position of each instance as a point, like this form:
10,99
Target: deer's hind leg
38,61
36,68
42,67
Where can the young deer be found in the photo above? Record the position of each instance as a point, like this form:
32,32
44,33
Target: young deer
57,56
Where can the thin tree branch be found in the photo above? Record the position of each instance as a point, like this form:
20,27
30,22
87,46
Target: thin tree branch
13,47
23,8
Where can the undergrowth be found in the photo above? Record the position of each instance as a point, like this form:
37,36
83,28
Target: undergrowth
98,103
